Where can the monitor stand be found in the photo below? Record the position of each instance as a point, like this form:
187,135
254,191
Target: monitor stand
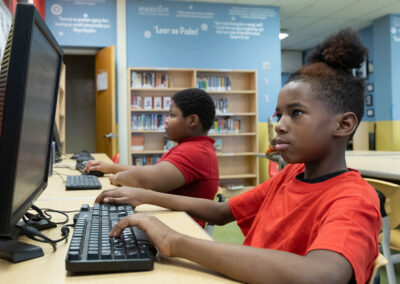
16,251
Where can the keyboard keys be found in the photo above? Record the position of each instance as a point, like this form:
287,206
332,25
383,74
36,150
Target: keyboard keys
82,182
92,250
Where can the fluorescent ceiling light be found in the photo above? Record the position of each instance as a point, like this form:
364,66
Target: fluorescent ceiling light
283,35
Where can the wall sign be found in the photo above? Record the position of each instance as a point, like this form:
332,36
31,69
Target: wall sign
82,22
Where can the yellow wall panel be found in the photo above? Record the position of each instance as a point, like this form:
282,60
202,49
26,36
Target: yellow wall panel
388,135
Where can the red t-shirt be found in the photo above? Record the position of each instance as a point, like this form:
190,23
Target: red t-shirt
340,214
196,159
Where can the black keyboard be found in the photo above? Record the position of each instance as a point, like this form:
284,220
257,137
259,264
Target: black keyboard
92,250
82,182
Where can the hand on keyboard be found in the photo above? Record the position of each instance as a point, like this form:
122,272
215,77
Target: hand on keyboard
92,250
123,195
162,236
100,166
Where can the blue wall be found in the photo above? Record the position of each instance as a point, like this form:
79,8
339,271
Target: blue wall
82,23
156,38
382,63
395,66
366,36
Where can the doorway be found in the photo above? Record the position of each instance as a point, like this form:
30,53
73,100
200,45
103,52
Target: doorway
80,102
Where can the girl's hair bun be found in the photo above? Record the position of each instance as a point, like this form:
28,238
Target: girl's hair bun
341,50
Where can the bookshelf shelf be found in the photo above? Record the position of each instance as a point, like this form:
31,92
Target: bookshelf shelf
238,176
235,96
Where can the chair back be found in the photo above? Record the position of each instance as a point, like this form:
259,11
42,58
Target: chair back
379,261
391,191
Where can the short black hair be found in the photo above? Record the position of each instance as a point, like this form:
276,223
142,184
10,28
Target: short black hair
329,72
196,101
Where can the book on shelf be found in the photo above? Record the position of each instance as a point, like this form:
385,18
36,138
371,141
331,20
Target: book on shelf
148,102
221,105
135,81
148,79
153,121
137,143
166,102
218,145
157,102
136,102
142,160
214,83
226,125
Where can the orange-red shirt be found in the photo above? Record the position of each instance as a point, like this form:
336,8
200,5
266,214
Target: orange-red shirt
196,159
340,214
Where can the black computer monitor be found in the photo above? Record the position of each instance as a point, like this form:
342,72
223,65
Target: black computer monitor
29,79
57,144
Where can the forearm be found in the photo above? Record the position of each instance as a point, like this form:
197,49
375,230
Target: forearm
116,168
133,177
255,266
203,209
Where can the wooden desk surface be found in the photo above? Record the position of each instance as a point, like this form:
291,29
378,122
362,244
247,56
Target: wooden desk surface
51,267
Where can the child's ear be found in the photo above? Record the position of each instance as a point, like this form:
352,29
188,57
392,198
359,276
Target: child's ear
346,124
193,120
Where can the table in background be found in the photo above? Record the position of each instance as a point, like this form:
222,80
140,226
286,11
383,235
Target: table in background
51,267
373,164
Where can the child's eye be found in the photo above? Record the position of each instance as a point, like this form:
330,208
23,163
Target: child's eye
278,117
297,112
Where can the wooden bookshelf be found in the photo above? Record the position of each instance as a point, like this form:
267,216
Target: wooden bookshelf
237,160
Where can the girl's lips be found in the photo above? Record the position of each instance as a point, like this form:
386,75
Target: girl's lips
281,146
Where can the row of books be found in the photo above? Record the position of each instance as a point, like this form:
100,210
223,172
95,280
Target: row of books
147,79
151,121
215,83
137,143
141,160
150,102
226,125
221,105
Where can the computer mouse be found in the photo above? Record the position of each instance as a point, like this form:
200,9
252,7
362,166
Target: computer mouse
94,173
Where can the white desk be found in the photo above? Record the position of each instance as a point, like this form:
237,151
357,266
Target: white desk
375,164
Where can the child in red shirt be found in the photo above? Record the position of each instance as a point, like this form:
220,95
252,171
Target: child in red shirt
316,221
191,167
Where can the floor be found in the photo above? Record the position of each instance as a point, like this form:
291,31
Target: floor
231,233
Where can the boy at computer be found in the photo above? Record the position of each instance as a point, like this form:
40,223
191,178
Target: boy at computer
316,221
191,167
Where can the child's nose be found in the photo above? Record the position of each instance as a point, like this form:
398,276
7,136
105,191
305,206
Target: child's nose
281,126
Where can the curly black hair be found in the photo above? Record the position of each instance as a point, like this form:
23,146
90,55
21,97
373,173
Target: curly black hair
329,72
196,101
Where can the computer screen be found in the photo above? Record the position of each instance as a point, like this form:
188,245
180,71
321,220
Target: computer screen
29,79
